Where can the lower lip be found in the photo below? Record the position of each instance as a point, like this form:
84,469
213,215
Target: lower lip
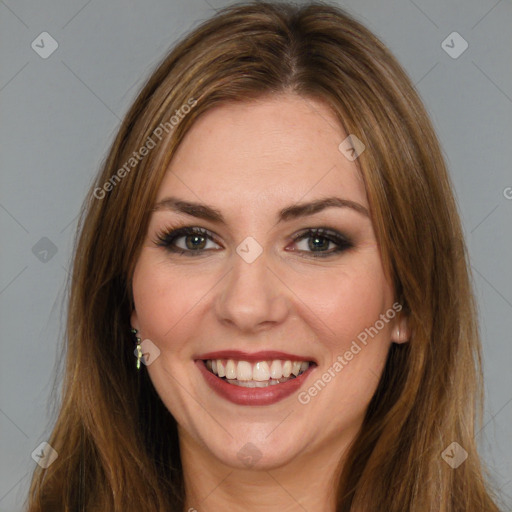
253,396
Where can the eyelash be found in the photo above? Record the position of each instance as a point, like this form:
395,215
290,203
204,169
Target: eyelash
167,237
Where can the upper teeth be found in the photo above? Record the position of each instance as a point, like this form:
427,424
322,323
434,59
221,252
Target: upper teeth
260,371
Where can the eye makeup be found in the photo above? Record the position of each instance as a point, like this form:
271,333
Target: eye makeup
196,239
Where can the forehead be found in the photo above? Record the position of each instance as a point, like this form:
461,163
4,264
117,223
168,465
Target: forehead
277,150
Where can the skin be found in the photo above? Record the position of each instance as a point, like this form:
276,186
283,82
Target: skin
249,161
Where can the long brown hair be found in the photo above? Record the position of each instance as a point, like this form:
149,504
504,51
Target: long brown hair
117,443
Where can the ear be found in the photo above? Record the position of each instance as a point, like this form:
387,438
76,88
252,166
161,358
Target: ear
401,331
134,321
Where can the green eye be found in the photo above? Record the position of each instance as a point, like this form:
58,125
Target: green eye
195,240
321,242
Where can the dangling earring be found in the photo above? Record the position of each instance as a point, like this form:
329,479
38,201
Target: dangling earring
138,348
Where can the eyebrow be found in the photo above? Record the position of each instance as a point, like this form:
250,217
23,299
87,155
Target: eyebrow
295,211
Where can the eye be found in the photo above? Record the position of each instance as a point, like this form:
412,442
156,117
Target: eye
321,242
189,240
194,241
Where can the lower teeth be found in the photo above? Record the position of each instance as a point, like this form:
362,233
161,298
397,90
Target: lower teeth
258,384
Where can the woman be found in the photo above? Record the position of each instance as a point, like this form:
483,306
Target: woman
270,289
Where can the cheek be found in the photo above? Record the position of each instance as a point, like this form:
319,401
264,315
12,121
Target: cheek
344,302
171,303
344,306
337,304
160,298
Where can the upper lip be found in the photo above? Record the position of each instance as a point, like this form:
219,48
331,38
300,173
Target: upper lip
263,355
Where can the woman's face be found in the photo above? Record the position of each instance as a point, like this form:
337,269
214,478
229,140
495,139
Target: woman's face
253,289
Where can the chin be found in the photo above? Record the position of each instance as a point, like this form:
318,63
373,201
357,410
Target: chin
257,451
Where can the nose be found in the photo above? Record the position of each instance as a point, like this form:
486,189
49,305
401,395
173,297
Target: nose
253,298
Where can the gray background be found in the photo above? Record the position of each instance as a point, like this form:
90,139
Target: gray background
59,115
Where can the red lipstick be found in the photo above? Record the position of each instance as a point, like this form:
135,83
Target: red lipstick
253,357
252,396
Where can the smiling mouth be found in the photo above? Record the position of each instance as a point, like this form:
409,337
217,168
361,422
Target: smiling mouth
260,374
